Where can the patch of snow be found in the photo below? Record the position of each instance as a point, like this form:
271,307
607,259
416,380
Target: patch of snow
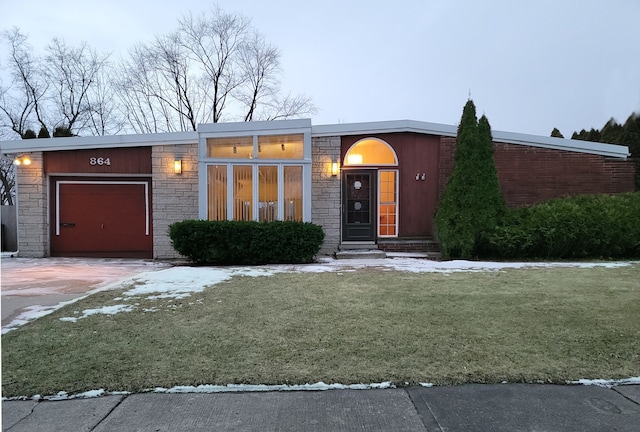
426,384
230,388
182,281
33,312
105,310
608,383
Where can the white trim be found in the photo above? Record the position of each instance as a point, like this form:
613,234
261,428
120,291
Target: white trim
273,127
255,186
146,197
395,155
393,126
299,126
397,203
94,142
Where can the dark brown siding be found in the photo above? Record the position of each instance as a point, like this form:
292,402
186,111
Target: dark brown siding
128,160
417,154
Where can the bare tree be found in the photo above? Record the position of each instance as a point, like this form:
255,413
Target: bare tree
67,87
23,97
7,181
72,74
213,68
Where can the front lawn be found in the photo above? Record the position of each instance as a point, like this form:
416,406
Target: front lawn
363,326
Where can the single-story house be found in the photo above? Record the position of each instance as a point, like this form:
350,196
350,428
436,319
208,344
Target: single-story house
375,184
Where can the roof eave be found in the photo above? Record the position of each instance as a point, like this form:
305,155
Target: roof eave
93,142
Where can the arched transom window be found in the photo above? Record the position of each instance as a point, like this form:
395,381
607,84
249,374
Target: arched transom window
370,151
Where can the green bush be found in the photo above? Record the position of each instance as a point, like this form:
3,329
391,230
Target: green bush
586,226
246,242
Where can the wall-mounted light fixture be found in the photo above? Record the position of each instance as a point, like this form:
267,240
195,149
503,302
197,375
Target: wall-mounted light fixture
335,168
417,176
177,166
22,160
282,146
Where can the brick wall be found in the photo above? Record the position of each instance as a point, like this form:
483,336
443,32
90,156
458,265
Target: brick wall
175,196
33,223
529,175
325,192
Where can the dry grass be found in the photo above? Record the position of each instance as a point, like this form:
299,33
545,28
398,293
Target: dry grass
371,325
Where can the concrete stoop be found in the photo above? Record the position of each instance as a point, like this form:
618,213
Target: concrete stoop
360,254
359,250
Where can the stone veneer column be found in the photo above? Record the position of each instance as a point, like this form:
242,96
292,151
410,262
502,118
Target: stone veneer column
33,223
175,196
325,191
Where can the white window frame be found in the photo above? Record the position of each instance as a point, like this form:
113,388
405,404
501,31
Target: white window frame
302,127
397,187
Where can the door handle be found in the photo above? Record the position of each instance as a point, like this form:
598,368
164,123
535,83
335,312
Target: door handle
67,224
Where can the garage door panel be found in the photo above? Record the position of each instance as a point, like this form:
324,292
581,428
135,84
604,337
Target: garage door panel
102,219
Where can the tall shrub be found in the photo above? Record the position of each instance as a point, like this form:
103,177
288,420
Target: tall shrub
472,201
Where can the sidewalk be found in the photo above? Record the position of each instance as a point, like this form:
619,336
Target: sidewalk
501,407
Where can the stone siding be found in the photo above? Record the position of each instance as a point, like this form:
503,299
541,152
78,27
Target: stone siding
33,221
325,191
175,196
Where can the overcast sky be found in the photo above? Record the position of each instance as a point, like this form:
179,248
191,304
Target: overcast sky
530,65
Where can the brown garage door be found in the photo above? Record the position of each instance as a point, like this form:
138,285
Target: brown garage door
102,219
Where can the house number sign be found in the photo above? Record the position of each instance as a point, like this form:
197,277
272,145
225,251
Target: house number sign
99,161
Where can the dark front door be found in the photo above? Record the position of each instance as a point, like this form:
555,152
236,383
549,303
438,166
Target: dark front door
358,205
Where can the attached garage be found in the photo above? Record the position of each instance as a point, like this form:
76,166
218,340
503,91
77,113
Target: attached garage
100,203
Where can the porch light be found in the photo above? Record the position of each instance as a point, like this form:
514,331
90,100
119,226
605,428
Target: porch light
334,169
23,160
177,166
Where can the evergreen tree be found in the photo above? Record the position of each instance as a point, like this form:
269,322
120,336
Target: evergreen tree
44,132
62,131
472,202
631,138
556,133
29,134
612,132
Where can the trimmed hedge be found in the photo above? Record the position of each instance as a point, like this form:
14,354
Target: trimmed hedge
586,226
246,242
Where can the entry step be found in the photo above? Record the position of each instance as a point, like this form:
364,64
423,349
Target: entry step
360,254
354,245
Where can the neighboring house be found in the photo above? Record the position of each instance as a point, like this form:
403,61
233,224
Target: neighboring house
374,183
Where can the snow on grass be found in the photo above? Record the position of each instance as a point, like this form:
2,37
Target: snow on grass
231,388
182,281
105,310
319,386
607,383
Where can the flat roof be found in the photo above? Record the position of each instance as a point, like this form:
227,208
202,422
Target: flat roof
340,129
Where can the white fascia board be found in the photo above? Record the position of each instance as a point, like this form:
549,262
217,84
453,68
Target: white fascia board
607,150
392,126
343,129
91,142
253,127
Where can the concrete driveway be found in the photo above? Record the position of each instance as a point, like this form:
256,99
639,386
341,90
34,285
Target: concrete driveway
31,286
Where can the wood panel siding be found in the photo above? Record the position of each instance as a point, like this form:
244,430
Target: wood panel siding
127,160
417,199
